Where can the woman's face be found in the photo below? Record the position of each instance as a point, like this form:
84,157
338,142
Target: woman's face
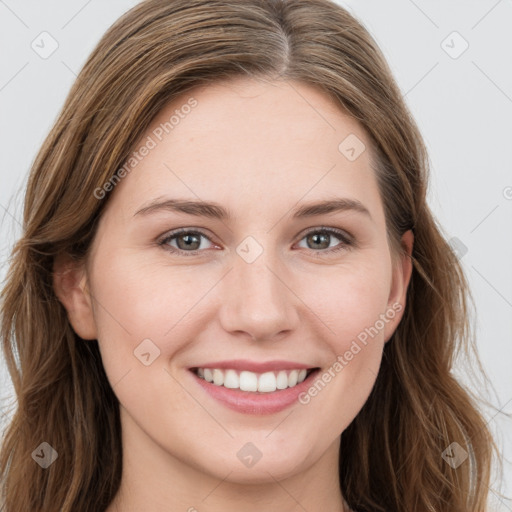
261,282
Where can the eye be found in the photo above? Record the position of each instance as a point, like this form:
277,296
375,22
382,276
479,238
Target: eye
188,242
321,238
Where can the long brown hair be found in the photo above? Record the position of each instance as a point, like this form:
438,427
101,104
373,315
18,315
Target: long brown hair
391,454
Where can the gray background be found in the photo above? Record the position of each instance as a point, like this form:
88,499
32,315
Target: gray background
461,98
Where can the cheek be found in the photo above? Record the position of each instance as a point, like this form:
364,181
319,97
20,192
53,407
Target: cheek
143,298
351,301
144,307
141,315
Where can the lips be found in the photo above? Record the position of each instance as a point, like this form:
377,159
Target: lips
253,387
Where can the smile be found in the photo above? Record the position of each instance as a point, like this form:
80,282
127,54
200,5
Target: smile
249,387
245,380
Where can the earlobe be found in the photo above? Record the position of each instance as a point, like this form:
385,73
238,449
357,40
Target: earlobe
402,272
71,287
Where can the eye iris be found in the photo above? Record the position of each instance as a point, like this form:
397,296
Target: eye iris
189,239
322,239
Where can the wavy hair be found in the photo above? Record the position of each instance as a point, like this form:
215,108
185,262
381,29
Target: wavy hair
391,454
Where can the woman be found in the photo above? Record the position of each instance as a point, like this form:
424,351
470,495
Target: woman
230,292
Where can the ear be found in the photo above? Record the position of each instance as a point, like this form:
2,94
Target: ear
402,271
72,290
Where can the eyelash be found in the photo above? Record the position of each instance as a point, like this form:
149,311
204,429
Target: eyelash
347,242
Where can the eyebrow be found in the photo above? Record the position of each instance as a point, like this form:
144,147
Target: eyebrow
216,211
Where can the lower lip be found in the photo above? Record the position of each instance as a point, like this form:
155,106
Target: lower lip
249,402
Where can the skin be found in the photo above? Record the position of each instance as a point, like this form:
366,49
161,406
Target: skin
261,150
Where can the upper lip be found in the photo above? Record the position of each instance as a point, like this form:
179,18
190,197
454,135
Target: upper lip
254,366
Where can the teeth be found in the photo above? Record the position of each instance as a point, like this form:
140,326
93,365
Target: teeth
231,380
282,380
218,377
267,382
248,381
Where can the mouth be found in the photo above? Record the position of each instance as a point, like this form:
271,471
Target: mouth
254,387
254,382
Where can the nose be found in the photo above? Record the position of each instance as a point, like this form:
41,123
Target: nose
258,299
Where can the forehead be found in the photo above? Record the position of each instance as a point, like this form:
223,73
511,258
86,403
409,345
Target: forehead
247,138
252,111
